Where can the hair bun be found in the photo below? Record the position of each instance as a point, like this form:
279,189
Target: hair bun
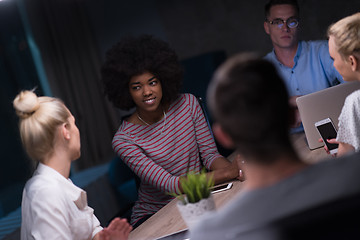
26,103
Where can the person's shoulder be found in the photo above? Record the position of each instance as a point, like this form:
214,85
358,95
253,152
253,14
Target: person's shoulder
227,220
270,56
123,131
353,98
210,226
43,188
315,42
349,166
185,98
356,93
352,159
317,45
344,167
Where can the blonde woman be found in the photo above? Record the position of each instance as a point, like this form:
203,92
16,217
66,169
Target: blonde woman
344,48
52,206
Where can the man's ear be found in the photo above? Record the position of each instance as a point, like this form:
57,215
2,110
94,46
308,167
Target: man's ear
223,138
354,63
65,131
266,28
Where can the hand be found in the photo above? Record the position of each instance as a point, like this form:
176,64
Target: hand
240,162
223,170
333,141
344,148
296,115
118,229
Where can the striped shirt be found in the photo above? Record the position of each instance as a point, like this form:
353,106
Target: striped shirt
162,152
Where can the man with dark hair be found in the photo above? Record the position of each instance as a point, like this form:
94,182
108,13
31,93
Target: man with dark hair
306,66
248,100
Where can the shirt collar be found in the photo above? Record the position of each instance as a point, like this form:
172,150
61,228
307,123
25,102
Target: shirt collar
296,57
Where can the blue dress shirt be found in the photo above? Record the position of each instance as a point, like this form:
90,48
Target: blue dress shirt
313,69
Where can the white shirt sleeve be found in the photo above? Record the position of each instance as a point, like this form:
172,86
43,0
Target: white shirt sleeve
349,121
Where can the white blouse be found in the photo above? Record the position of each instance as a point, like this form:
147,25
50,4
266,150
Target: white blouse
349,121
54,208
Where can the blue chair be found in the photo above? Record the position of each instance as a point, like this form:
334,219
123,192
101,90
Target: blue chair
126,184
198,71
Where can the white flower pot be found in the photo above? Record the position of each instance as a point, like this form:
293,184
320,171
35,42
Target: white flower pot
191,212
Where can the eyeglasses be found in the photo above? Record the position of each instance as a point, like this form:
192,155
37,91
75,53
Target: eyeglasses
291,22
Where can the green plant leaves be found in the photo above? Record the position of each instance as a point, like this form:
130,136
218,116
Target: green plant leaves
196,186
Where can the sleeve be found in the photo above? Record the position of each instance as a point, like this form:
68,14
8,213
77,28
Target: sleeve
349,121
205,141
334,77
144,167
96,226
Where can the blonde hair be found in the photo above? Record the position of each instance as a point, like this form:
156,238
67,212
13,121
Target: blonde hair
346,34
39,119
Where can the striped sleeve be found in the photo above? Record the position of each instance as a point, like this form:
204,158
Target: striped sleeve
205,141
144,167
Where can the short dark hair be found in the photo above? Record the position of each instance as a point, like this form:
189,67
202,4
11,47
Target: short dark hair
248,98
280,2
132,56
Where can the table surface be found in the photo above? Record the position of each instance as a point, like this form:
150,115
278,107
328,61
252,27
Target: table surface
168,219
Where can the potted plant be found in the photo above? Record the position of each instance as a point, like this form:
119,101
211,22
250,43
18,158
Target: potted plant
197,198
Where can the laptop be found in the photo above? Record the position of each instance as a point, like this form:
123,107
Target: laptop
326,103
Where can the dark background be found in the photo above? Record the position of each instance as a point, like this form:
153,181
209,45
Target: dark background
192,27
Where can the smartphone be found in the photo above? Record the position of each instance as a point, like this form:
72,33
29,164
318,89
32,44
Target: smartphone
220,188
327,130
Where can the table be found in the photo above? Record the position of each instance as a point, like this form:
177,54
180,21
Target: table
309,156
168,219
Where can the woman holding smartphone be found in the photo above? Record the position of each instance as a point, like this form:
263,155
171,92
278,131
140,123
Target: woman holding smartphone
52,206
344,48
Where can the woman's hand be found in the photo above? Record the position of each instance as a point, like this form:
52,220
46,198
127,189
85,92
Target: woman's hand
240,162
118,229
224,170
332,141
344,148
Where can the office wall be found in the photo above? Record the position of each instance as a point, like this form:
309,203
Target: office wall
112,19
194,27
199,26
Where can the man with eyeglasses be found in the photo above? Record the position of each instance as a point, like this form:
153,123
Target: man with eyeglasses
306,66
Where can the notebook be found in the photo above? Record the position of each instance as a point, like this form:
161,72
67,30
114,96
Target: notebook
326,103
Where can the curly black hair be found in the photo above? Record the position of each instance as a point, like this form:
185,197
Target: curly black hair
132,56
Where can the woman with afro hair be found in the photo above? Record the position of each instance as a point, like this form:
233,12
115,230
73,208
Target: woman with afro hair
166,136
